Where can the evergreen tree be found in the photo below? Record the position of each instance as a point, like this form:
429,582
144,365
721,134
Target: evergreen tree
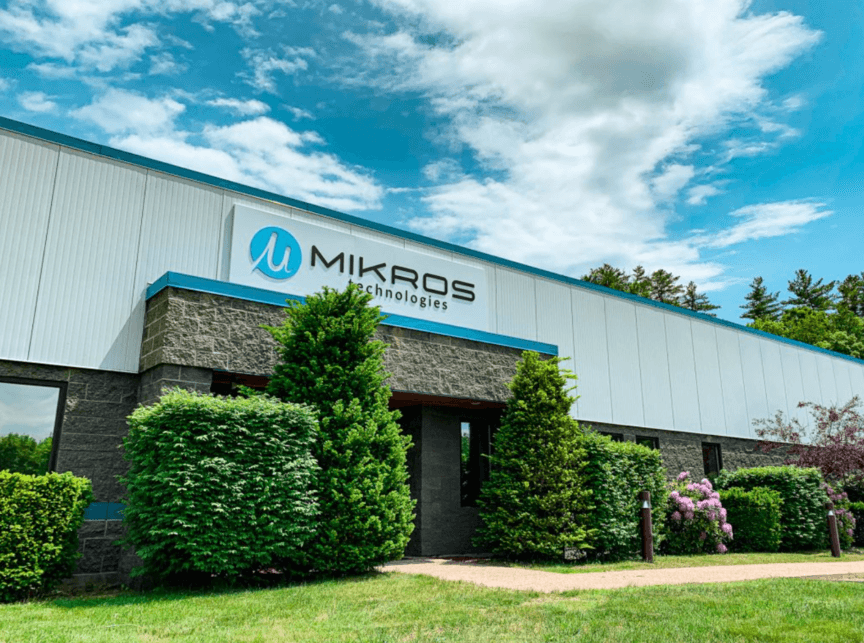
640,283
852,294
699,302
664,287
809,294
533,503
760,303
608,276
329,361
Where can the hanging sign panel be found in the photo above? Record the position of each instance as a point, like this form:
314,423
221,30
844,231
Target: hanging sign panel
299,258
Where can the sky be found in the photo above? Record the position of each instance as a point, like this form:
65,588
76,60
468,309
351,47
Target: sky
28,410
718,139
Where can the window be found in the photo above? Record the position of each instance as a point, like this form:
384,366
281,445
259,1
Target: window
30,415
475,443
616,437
711,458
648,441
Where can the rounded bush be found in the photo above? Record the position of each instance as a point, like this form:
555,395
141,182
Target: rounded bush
696,521
756,516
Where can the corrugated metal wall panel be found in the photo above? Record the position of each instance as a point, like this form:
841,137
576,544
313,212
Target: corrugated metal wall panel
654,368
708,379
844,383
27,172
555,325
85,293
775,389
590,357
856,374
624,373
732,381
516,304
809,378
793,382
754,377
827,381
682,374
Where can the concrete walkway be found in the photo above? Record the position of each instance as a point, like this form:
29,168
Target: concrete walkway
489,575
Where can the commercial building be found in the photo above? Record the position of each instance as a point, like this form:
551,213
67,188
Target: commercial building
120,275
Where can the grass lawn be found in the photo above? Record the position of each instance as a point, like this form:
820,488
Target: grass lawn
402,608
703,560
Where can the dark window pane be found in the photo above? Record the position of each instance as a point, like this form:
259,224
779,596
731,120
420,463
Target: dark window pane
711,458
616,437
28,415
647,441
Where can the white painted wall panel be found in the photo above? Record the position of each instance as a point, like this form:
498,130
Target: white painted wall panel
775,389
590,356
84,305
754,377
682,374
516,304
708,379
810,378
827,381
844,383
793,382
856,374
27,171
555,321
732,381
624,373
654,368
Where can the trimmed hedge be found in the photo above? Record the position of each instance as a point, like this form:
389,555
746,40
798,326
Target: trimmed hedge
39,521
804,502
857,509
615,473
755,517
219,485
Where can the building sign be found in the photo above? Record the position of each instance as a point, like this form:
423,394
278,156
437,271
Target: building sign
299,258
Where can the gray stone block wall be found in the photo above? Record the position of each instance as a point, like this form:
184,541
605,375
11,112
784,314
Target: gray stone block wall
213,332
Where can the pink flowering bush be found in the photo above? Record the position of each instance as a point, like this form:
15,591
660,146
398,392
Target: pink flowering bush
845,518
695,518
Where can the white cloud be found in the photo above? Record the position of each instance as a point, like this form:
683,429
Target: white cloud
119,111
335,8
699,194
241,107
36,102
4,84
164,65
298,113
443,170
764,220
264,64
583,115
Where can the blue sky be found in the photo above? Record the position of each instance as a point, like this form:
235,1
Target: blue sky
718,139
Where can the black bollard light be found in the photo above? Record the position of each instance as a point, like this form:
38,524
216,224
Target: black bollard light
647,536
832,531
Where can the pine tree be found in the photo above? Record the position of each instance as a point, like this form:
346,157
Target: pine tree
852,294
608,276
329,361
533,502
664,287
810,294
760,303
640,283
699,302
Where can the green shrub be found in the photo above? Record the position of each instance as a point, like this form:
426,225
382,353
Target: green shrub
802,517
39,521
23,454
755,515
219,485
329,360
615,473
534,503
695,518
857,509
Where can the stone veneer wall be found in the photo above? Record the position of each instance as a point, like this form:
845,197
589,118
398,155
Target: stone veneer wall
213,332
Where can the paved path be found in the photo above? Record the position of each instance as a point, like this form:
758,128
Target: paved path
530,579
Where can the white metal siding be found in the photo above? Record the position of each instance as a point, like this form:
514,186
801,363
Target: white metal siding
844,383
708,379
84,305
753,378
793,382
555,325
856,374
732,381
590,357
27,172
809,378
623,346
682,374
516,304
654,367
775,389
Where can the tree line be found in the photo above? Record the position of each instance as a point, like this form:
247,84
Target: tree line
828,315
